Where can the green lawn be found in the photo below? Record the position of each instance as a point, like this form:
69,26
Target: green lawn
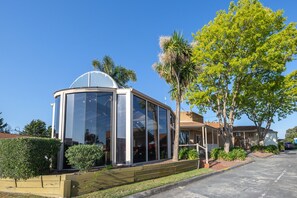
129,189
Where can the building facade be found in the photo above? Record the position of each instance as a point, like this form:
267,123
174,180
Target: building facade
131,126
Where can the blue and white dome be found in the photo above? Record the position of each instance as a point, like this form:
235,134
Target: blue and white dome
94,79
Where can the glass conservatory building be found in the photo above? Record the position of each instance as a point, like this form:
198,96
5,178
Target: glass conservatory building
131,126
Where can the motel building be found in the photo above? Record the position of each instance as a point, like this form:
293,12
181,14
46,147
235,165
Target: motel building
132,127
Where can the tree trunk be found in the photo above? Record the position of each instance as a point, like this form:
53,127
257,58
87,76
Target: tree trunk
227,144
177,130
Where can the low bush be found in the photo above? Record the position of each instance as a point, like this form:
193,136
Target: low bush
186,153
265,149
84,156
281,146
234,154
23,158
215,153
192,154
183,153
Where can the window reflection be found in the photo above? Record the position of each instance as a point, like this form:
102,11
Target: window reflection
152,129
121,129
163,130
184,137
88,121
139,130
57,117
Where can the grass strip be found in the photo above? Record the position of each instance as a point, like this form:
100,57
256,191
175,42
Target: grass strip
130,189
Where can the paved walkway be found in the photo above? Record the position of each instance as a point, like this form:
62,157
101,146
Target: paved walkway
275,176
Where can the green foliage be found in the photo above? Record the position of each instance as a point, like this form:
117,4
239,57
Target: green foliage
177,69
2,124
186,153
193,154
234,154
291,134
119,73
265,149
37,128
84,156
183,153
247,46
23,158
281,146
214,154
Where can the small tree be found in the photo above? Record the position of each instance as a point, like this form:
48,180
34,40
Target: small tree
84,156
231,48
119,73
176,67
3,125
291,134
268,96
36,128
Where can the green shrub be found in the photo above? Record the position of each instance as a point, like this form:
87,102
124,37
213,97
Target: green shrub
183,153
214,153
239,153
84,156
186,153
234,154
281,146
23,158
192,154
265,149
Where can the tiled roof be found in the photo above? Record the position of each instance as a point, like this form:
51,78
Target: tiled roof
8,135
213,124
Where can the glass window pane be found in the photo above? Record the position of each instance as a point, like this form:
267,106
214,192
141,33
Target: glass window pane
163,132
152,129
139,130
88,121
121,129
184,137
57,116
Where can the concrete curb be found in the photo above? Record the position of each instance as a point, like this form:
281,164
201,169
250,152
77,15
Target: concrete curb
183,182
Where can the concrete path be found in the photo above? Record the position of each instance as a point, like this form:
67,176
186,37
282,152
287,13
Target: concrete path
275,176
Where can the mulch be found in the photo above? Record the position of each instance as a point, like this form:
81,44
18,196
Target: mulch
221,164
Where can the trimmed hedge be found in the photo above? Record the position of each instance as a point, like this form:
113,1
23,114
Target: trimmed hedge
23,158
84,156
265,149
234,154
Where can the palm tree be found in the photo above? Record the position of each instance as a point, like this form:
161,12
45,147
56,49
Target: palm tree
119,73
176,68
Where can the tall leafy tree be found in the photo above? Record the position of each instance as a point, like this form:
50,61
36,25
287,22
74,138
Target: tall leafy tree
177,69
3,125
37,128
268,95
291,134
231,48
119,73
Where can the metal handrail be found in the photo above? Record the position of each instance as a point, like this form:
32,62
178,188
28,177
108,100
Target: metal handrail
197,148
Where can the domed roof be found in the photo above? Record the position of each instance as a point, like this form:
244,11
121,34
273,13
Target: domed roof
94,79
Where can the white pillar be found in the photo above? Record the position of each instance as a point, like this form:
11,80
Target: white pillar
203,140
218,139
61,127
206,146
129,128
212,138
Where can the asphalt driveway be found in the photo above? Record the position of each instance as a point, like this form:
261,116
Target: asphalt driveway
275,176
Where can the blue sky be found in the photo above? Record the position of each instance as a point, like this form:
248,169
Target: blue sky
45,45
